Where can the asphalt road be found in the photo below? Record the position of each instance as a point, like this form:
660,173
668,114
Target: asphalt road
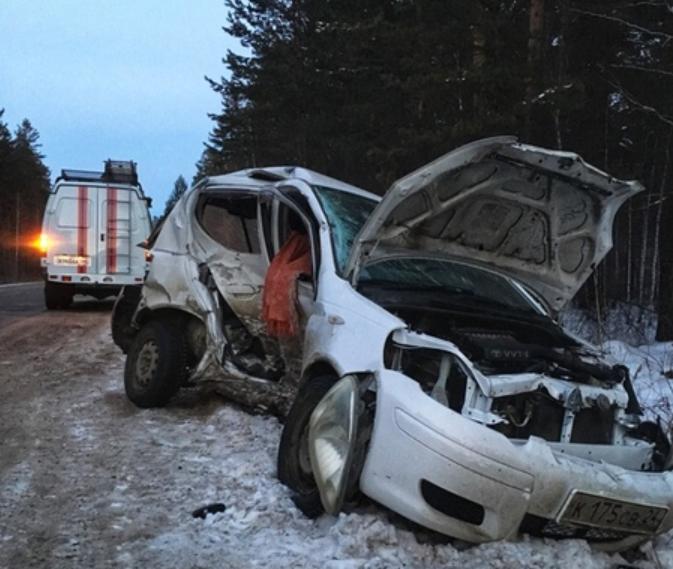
27,299
22,299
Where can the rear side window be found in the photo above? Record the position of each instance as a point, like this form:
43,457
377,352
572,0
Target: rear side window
231,221
69,213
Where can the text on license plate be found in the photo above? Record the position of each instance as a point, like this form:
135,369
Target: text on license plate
596,511
72,260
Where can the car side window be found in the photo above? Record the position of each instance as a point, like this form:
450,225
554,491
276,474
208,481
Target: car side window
231,221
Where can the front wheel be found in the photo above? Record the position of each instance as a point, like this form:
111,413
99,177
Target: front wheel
294,465
156,363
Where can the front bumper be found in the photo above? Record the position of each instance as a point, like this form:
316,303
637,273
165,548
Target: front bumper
417,444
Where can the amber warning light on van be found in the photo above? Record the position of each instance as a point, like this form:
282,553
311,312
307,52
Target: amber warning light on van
42,243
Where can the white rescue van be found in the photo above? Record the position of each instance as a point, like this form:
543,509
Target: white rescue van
93,224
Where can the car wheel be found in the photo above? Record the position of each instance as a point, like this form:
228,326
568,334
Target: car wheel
294,465
155,364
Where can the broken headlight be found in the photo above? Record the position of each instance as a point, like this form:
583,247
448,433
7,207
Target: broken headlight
332,436
440,374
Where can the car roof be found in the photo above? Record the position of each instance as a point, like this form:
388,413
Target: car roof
258,178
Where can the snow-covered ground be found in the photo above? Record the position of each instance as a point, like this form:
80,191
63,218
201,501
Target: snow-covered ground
627,335
88,480
650,367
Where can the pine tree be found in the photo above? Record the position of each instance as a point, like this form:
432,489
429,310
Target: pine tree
24,186
179,188
366,91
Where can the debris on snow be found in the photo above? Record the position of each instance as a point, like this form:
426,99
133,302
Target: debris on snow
203,511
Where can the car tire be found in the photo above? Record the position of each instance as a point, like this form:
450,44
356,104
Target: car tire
293,460
57,296
156,363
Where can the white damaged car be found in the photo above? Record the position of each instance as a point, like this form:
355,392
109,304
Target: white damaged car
427,370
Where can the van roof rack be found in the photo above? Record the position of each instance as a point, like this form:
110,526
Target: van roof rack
124,171
119,171
80,176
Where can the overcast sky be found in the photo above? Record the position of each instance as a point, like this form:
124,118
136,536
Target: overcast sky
118,79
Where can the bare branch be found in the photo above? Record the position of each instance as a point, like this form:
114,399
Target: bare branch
642,106
658,4
641,68
622,21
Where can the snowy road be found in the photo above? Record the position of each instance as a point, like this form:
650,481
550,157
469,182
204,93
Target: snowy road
88,480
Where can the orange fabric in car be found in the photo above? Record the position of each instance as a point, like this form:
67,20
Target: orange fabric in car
279,300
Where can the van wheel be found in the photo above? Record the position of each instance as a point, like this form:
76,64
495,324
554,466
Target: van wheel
57,296
294,465
156,363
66,299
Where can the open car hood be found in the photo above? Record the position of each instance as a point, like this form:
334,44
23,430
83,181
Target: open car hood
541,216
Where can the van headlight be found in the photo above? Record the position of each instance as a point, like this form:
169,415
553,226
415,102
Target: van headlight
332,435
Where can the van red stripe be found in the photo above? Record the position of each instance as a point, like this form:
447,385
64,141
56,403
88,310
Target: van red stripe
112,230
82,225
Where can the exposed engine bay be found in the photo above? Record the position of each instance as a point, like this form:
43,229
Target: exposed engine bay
532,380
500,344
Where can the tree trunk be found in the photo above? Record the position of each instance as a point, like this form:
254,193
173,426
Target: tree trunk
535,32
644,242
17,232
665,304
629,249
654,276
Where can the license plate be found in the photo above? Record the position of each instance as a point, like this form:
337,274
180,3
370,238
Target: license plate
72,261
597,511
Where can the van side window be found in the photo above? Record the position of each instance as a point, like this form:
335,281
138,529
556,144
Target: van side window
231,221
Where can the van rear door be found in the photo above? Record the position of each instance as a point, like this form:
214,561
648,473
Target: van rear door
115,208
73,227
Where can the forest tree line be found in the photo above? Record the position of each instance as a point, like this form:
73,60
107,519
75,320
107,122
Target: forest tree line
369,90
24,187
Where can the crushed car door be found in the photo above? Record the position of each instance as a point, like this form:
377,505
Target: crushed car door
229,232
241,233
229,220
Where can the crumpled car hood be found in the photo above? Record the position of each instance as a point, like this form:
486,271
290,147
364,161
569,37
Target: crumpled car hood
541,216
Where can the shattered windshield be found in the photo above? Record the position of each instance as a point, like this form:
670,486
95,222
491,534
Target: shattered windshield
448,277
346,214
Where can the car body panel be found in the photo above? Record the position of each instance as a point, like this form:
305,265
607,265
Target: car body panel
418,433
508,480
544,217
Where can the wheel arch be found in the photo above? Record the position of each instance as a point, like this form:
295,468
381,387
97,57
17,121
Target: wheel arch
145,314
194,327
319,368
